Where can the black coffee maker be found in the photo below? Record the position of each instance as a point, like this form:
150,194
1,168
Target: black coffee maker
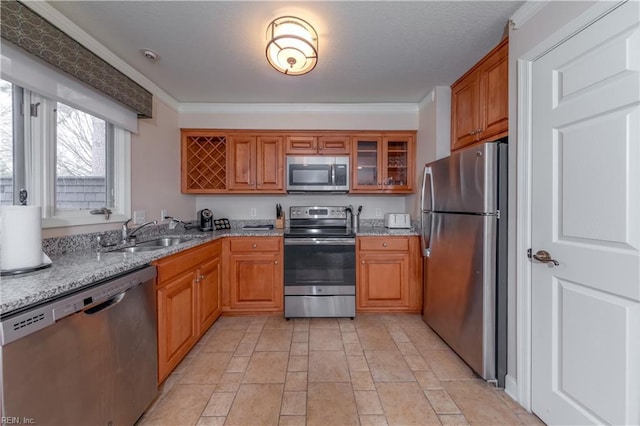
205,217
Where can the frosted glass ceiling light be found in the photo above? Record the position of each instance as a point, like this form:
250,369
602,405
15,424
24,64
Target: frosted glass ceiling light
292,46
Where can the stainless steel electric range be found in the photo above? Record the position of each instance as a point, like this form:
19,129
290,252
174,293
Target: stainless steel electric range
319,263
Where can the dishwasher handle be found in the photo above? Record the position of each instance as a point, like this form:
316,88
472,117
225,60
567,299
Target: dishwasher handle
106,304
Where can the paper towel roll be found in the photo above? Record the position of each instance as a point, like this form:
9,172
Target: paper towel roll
20,237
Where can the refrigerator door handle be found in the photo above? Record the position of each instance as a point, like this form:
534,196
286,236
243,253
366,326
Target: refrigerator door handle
427,185
427,225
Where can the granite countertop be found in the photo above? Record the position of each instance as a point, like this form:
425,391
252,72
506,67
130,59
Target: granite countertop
77,269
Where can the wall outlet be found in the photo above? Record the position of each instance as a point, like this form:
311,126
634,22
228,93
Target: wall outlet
139,217
253,212
378,212
163,214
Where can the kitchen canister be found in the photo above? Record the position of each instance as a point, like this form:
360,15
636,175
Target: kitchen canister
21,239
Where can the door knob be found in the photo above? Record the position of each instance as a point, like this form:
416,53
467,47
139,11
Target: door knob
544,257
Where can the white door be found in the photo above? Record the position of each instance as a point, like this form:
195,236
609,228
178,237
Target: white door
586,214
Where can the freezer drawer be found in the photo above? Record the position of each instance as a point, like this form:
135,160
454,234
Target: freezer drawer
319,306
459,296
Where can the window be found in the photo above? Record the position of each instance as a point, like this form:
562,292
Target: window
71,162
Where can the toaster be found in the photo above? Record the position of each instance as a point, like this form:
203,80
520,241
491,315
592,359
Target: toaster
397,220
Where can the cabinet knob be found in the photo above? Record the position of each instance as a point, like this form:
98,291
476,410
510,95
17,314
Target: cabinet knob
384,244
254,245
362,261
276,262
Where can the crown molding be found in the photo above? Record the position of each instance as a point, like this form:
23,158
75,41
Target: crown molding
63,23
279,108
527,11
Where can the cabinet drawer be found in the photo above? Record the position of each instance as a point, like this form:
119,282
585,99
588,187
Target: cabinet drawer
249,244
174,265
384,243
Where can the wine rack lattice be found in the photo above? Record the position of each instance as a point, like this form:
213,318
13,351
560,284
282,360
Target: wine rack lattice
206,162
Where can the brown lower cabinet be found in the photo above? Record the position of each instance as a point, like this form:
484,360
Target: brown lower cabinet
255,275
188,301
389,274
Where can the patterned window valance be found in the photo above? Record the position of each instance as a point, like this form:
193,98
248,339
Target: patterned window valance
28,30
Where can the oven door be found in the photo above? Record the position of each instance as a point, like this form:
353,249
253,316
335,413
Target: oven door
319,266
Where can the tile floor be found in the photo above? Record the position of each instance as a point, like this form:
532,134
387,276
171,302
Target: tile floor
374,370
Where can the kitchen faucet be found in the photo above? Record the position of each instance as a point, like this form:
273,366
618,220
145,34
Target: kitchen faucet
128,236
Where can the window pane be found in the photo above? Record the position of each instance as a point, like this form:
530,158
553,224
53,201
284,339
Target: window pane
6,143
81,162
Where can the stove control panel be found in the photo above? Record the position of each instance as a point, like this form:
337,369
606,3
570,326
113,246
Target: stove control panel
318,212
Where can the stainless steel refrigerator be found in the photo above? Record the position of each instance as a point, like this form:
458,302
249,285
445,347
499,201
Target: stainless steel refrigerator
464,242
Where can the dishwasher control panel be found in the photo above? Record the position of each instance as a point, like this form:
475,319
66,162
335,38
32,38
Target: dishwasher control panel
17,326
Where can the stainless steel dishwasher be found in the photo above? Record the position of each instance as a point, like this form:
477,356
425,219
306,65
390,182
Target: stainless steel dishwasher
89,358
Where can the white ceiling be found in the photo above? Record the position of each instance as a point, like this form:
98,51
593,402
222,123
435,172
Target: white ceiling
369,51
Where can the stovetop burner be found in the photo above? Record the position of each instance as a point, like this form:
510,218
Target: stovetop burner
318,221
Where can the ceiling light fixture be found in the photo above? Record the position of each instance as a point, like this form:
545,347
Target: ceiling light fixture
292,46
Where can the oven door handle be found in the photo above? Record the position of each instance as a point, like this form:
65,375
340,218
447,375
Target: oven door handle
319,241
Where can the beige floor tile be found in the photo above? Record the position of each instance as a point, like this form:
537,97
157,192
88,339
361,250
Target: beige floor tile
211,421
416,363
255,328
353,349
331,404
529,419
357,363
424,338
238,364
331,323
299,349
224,340
407,349
368,402
296,381
182,405
376,339
328,366
229,382
301,324
233,323
350,337
300,337
292,421
362,380
256,404
479,403
244,349
298,363
267,367
404,403
399,336
325,339
294,403
441,402
219,404
250,337
427,380
347,327
275,340
453,420
388,366
447,365
206,368
373,420
278,321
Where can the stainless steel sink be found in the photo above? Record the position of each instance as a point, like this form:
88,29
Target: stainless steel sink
163,242
136,249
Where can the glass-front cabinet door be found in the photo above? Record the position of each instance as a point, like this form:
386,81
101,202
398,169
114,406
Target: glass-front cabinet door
366,163
382,163
397,164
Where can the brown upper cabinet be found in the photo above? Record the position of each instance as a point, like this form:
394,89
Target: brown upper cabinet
383,162
322,145
256,163
480,100
203,161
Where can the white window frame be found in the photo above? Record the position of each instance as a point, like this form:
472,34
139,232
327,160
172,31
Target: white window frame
40,136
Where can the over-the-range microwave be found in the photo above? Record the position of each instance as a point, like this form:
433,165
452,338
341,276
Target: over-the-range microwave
317,174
